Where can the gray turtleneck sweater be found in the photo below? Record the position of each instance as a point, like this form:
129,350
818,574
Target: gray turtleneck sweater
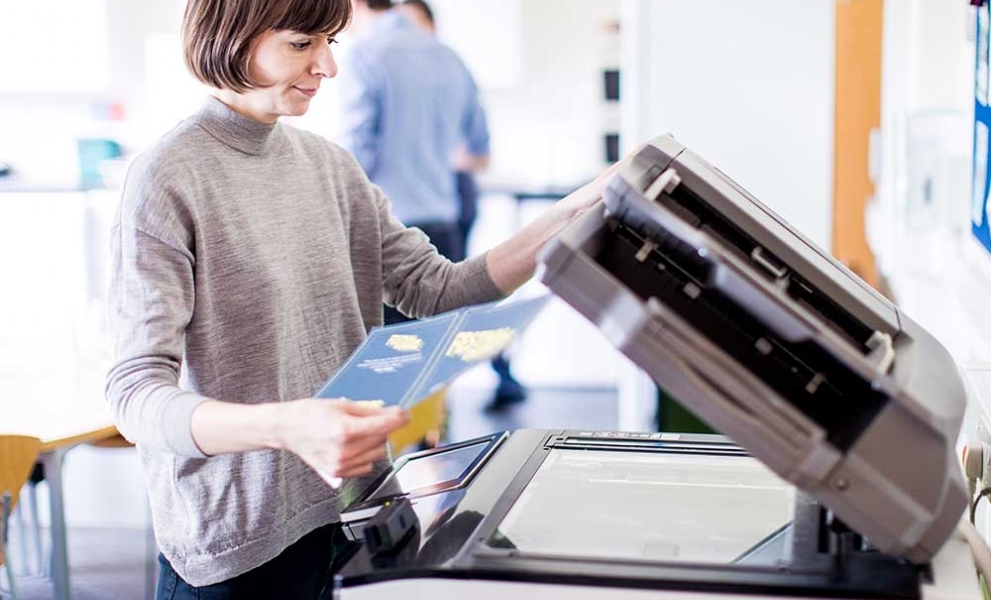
248,262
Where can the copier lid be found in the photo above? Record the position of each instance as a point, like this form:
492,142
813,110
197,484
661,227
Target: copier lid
771,341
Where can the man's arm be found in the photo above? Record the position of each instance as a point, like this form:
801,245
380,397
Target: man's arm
474,155
472,163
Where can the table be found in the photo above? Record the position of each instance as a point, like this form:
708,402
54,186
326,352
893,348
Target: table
59,433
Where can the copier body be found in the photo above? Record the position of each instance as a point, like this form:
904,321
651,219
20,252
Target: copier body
603,514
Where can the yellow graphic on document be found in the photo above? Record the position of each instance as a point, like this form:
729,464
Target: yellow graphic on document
370,403
470,346
405,343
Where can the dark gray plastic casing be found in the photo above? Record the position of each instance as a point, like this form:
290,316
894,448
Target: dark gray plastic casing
899,482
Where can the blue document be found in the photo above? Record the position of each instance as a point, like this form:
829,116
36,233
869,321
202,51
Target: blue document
404,363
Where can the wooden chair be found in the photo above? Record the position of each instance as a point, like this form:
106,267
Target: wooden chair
17,456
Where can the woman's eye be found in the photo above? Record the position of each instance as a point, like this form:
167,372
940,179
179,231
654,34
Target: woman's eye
300,45
331,40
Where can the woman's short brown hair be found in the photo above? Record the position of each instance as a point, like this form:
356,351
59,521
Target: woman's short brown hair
217,35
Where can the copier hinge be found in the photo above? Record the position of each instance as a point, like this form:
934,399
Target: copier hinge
665,183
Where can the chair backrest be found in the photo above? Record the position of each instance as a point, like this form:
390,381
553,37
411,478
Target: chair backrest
18,454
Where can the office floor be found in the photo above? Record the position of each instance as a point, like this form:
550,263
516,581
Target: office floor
110,564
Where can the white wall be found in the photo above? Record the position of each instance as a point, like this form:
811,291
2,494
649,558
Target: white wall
539,65
60,97
927,111
749,86
47,67
490,41
939,274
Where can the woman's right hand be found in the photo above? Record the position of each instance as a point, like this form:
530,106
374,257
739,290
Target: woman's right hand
338,438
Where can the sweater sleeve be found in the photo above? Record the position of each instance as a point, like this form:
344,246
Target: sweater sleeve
419,281
150,303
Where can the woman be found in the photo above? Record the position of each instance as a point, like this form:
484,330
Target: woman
249,260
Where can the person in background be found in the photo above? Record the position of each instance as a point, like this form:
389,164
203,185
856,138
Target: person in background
420,13
421,143
248,260
408,104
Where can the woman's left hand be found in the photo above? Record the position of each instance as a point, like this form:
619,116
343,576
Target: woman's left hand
512,263
590,194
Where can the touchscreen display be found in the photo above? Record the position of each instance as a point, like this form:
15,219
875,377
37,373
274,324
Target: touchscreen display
429,470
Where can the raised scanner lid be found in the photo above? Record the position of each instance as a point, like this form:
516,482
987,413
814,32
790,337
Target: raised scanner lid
773,342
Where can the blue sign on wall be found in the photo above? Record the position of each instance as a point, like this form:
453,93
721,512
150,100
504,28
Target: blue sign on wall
980,203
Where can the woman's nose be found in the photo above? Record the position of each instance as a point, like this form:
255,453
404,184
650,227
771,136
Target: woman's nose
325,65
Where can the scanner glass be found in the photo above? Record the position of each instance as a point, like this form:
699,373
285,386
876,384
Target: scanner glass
633,506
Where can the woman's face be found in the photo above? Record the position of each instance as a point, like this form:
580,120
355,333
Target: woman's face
288,67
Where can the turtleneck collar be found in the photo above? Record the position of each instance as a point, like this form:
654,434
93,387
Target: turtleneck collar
234,129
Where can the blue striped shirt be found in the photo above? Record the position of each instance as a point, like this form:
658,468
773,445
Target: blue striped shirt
408,102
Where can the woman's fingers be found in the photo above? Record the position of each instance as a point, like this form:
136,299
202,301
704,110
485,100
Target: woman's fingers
348,453
341,438
364,458
358,471
361,419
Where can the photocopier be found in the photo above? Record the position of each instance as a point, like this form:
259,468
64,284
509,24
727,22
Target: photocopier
835,475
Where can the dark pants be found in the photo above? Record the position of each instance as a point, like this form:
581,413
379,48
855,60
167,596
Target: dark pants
450,239
304,571
468,194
